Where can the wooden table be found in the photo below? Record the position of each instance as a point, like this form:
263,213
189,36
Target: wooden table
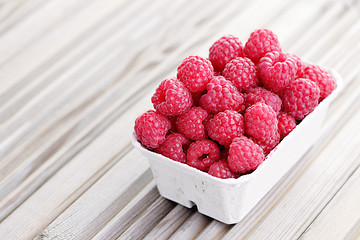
75,74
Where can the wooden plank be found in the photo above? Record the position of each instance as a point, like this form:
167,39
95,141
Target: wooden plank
103,200
37,26
343,211
130,213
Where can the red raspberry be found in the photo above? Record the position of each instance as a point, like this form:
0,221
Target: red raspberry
260,42
222,170
151,128
286,124
225,126
221,95
261,95
241,71
299,64
277,71
260,122
195,72
269,144
191,123
244,155
174,147
172,98
201,154
301,98
224,50
322,78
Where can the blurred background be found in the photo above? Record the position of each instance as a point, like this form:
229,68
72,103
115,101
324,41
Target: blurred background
75,74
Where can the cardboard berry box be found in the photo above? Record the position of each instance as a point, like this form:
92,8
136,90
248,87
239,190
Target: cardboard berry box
230,200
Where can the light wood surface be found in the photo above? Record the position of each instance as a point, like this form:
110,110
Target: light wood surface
74,75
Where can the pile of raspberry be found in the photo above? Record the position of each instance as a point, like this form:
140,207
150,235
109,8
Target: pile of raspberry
224,114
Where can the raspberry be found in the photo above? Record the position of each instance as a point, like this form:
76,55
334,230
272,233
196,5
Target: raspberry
286,124
261,95
276,71
191,123
299,64
225,126
322,78
260,122
195,72
270,143
224,50
221,95
151,128
244,155
222,170
201,154
241,71
301,98
173,120
171,98
174,147
260,42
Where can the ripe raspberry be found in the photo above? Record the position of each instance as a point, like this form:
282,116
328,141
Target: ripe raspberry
241,71
195,72
286,124
151,128
260,122
299,64
260,42
301,98
174,147
322,78
277,71
191,123
225,126
244,155
222,170
172,98
224,50
201,154
261,95
269,144
221,95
